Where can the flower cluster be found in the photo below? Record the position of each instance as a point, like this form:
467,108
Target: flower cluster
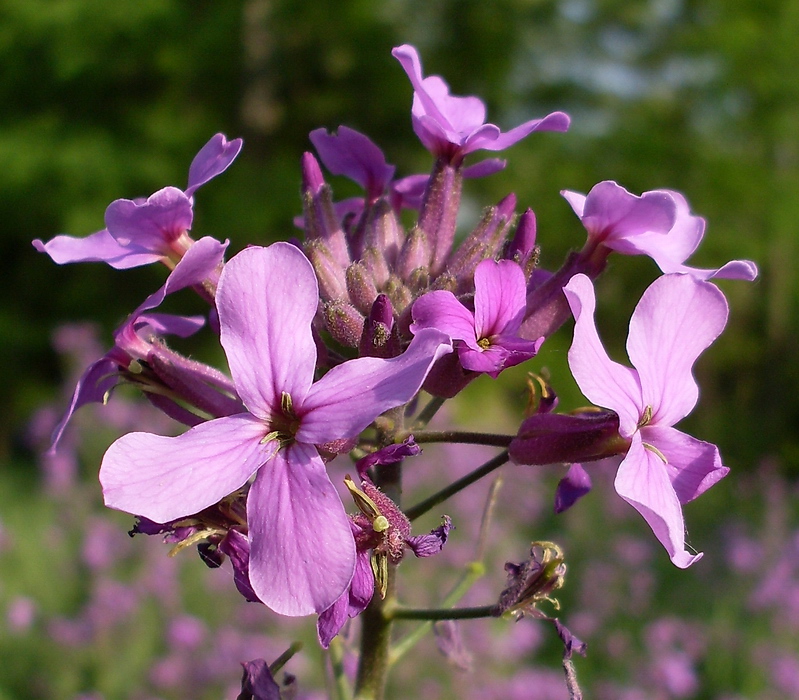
329,343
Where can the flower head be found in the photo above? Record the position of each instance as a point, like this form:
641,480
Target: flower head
302,551
143,231
676,319
658,224
452,126
487,339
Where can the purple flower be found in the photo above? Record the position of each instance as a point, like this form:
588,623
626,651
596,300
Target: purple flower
139,232
452,126
676,319
658,224
135,339
302,552
487,339
356,156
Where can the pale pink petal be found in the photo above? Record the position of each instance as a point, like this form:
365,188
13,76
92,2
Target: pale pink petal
350,396
151,226
442,311
97,247
556,121
166,478
214,158
267,298
676,319
409,60
693,465
500,297
643,481
302,553
606,383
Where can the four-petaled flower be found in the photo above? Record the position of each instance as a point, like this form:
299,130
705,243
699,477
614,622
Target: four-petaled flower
302,553
452,127
138,231
676,319
487,339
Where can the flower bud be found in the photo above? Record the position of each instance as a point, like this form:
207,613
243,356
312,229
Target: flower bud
321,222
439,212
522,247
344,322
380,337
548,438
484,242
332,282
415,253
361,287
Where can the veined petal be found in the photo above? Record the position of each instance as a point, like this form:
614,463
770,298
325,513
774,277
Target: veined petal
610,212
212,160
350,153
166,478
500,297
606,383
302,554
504,352
693,465
97,247
267,298
643,481
556,121
350,396
676,319
442,311
153,225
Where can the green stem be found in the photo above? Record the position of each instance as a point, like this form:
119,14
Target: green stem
342,685
463,437
376,627
443,613
283,659
429,503
427,413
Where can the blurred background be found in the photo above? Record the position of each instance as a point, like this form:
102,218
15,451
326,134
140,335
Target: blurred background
103,100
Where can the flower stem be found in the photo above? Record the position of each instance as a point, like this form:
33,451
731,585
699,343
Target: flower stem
400,613
342,685
463,437
431,502
376,626
427,413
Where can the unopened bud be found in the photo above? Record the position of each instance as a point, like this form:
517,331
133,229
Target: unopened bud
439,212
361,287
384,231
415,253
344,322
332,282
483,243
380,337
522,247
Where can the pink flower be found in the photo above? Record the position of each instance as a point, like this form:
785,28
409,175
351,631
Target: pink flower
676,319
302,551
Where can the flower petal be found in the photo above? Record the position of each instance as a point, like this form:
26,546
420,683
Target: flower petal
212,160
676,319
267,298
97,247
442,311
350,396
166,478
643,481
556,121
606,383
500,297
693,465
354,155
302,554
152,226
572,487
